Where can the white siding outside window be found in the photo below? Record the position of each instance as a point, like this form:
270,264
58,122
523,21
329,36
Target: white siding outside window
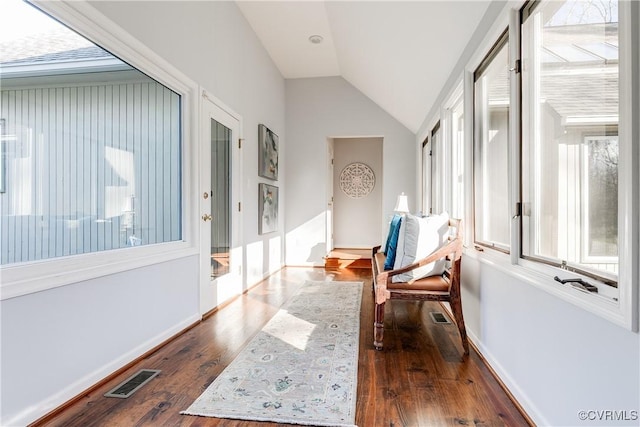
89,168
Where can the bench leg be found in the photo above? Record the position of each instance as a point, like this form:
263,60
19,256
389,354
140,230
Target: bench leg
378,326
456,308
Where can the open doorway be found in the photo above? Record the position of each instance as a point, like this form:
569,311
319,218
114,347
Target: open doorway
356,204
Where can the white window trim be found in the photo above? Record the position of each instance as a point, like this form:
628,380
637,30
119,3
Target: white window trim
541,276
625,311
425,175
25,278
454,97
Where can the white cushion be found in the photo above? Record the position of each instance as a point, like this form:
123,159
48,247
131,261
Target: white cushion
418,238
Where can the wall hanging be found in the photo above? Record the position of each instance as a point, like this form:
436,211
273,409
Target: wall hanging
268,153
267,208
357,180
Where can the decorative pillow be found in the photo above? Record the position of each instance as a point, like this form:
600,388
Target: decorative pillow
418,238
392,242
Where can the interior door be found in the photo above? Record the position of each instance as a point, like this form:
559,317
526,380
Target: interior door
220,206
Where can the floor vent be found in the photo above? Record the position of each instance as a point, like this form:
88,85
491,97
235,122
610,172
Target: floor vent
133,383
438,317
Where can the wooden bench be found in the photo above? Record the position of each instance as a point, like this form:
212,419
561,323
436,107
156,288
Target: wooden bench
434,288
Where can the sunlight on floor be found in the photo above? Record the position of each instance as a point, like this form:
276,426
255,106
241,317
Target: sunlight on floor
297,335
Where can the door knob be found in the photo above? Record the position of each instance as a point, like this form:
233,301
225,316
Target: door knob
206,217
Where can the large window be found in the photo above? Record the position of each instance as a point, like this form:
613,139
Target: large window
554,152
570,108
491,127
426,176
457,188
438,171
443,160
91,147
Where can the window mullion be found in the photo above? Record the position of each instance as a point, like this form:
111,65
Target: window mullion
515,137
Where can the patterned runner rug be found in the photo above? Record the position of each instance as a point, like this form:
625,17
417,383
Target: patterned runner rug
301,368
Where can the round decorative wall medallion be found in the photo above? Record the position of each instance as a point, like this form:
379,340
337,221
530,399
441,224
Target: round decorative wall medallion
357,180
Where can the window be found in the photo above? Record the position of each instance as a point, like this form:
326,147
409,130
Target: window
491,127
2,154
570,107
95,151
555,153
91,147
456,190
426,176
438,172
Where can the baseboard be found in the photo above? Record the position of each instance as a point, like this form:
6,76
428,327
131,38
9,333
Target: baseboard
47,409
519,398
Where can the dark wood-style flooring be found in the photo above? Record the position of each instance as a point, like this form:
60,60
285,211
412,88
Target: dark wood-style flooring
419,379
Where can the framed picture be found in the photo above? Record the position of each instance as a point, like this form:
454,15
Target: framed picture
268,155
267,208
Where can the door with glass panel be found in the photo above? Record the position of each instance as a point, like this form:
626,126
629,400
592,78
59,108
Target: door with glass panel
220,206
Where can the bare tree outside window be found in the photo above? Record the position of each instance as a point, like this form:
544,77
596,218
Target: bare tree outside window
602,233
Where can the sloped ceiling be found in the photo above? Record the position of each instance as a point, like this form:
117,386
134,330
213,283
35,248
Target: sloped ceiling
399,54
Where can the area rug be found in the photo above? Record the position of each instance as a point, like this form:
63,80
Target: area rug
301,368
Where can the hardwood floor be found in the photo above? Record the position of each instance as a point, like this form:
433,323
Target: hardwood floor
419,379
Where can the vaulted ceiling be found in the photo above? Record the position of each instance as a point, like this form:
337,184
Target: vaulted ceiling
399,54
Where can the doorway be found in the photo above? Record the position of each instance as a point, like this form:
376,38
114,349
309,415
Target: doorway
357,192
220,247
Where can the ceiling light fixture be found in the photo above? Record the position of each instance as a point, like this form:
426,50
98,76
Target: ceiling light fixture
316,39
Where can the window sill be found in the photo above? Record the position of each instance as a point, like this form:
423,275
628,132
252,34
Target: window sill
26,278
604,304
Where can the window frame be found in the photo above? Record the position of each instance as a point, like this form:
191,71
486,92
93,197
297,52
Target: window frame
456,150
621,308
437,179
34,276
602,277
503,39
3,156
425,167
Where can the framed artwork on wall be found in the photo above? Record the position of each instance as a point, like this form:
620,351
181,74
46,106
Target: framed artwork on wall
268,153
267,208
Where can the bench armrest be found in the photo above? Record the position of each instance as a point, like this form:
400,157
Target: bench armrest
384,277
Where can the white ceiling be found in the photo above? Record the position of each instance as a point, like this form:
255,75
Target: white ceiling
398,53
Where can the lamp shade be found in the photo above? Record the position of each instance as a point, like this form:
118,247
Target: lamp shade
402,204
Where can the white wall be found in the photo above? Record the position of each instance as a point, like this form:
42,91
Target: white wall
59,342
330,107
357,221
556,358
